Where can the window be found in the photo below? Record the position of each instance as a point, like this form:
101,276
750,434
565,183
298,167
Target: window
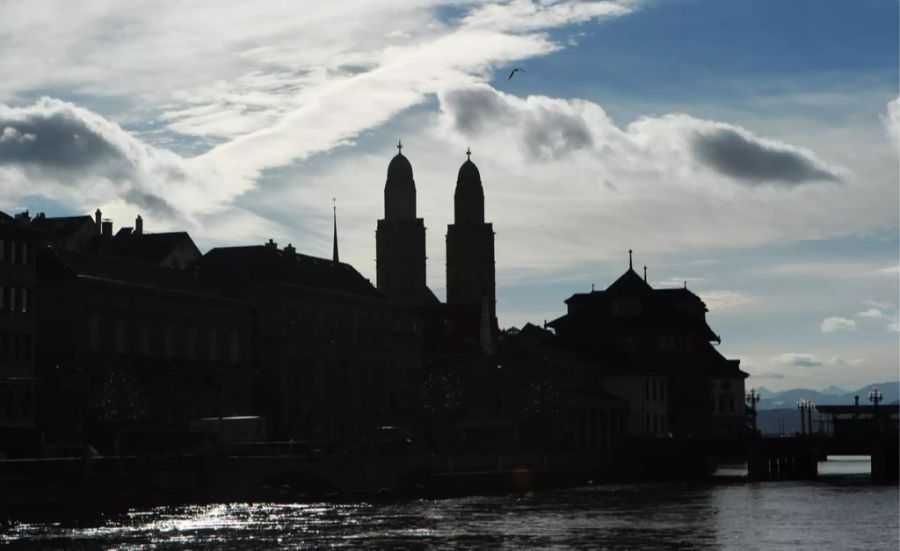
191,344
213,345
654,390
168,340
24,253
120,336
12,299
667,343
24,301
662,391
12,252
646,390
235,348
626,307
93,332
145,338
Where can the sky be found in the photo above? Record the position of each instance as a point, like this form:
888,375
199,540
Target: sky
745,148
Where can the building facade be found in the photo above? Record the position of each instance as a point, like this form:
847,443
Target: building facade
657,352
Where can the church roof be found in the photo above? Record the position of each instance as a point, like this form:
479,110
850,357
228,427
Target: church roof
399,169
468,175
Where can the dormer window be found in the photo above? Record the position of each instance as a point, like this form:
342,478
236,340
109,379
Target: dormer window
626,306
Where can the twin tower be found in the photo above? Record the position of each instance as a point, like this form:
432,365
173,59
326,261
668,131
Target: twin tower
400,241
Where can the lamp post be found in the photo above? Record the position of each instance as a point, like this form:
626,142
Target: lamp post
875,396
801,405
809,410
753,398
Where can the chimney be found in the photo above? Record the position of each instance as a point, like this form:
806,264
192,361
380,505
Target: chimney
97,220
272,245
645,274
290,250
107,228
138,225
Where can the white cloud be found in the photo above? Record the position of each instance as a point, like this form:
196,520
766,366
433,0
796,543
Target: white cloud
793,359
725,300
870,313
891,121
837,323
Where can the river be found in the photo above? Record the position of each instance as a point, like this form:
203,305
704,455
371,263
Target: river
841,510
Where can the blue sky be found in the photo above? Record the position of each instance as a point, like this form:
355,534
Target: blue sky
748,147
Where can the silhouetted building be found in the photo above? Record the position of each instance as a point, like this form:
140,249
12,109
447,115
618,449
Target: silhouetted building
326,342
470,245
81,233
130,347
400,239
18,244
656,351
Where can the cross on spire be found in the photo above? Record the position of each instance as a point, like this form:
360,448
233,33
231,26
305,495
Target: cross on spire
629,260
469,153
334,252
399,147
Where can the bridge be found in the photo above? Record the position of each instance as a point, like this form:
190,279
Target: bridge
846,430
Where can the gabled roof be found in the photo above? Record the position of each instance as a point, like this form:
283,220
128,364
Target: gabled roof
147,247
629,283
260,263
62,225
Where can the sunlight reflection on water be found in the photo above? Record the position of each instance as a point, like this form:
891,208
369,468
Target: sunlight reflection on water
841,513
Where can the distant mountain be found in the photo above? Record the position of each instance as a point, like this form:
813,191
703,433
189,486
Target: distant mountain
833,390
788,399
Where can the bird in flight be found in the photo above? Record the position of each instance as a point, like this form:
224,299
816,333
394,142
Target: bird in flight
514,71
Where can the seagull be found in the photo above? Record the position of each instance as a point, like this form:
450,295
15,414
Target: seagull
514,71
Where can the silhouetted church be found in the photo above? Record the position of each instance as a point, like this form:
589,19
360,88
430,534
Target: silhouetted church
400,242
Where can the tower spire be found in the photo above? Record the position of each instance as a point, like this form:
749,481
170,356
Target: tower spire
334,254
469,153
399,147
630,267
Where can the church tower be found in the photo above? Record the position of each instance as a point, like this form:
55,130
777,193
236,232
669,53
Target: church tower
470,244
400,237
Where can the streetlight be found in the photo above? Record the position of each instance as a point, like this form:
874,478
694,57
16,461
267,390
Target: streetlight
803,405
809,410
753,398
875,396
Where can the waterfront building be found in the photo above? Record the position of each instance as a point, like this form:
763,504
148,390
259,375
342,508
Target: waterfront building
132,351
18,245
329,351
656,350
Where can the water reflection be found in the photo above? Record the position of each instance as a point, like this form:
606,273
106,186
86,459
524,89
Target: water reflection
782,515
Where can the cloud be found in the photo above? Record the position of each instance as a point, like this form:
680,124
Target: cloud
61,149
736,153
870,313
891,121
838,361
767,375
837,323
792,359
725,300
549,128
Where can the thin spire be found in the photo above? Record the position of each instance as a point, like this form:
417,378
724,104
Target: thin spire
399,147
645,274
334,254
469,153
630,267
